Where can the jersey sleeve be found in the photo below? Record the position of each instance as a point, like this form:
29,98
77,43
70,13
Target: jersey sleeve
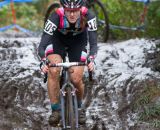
92,32
48,33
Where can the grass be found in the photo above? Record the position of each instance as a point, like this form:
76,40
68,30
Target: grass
146,104
156,123
150,112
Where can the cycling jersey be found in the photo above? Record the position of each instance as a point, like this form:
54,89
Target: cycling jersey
58,29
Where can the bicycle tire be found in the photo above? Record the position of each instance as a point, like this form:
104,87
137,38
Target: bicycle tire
50,9
70,120
103,25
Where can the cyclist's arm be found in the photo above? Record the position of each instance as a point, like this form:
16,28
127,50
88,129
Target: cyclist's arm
92,33
48,32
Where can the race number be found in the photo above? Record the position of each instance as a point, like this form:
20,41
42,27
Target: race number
92,25
50,27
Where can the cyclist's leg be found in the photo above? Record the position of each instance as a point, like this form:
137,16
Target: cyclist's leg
76,78
53,79
54,55
53,89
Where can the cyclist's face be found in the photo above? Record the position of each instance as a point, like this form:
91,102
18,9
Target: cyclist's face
72,15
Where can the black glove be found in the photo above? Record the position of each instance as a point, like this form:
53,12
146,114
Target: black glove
43,63
91,59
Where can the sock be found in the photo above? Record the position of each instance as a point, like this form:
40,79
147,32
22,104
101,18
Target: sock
55,106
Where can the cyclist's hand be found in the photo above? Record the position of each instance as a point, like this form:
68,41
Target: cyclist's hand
44,65
91,63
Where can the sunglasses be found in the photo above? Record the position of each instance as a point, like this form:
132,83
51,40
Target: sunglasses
69,9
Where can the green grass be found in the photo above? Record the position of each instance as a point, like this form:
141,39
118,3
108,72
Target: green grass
150,112
146,104
156,123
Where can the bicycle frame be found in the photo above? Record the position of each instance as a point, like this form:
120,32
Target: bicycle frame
67,83
62,98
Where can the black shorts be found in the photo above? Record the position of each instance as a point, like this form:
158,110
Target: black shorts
76,47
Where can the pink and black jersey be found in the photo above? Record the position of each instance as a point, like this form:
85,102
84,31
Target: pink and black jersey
57,26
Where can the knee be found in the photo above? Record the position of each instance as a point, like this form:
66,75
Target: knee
53,73
76,80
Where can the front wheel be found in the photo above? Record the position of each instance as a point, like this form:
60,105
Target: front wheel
70,116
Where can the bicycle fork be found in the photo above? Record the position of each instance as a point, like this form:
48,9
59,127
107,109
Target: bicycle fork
74,101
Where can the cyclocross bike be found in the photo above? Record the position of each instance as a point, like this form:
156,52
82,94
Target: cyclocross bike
98,8
142,21
68,97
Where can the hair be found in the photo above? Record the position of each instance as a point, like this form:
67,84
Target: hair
83,21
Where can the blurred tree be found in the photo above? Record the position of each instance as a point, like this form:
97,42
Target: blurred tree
120,12
128,13
41,5
153,16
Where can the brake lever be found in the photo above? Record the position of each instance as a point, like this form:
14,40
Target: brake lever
90,75
45,77
46,74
